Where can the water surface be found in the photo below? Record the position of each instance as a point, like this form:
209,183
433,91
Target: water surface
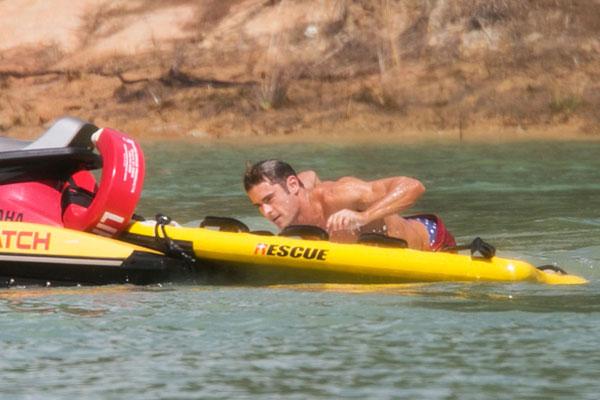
536,201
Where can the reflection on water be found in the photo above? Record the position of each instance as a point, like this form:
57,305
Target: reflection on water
476,297
417,341
47,300
41,308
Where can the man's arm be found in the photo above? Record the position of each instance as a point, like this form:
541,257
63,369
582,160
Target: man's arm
364,202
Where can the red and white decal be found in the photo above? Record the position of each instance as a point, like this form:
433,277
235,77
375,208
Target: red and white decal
261,249
119,190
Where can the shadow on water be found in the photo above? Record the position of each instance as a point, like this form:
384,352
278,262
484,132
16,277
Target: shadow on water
454,297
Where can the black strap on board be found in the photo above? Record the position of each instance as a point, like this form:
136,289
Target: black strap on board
553,268
305,231
478,248
170,247
225,224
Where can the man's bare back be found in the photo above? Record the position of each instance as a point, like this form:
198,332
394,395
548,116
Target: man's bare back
342,207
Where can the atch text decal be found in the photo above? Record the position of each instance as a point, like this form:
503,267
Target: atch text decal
24,240
282,250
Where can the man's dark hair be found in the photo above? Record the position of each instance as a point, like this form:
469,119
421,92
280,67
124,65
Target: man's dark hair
273,171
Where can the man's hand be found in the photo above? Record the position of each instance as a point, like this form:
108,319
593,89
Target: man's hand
345,220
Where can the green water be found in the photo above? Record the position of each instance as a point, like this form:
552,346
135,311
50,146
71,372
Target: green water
537,201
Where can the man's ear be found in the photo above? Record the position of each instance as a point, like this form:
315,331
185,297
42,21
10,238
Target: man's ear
293,184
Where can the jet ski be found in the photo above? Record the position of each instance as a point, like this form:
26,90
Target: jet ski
58,225
36,254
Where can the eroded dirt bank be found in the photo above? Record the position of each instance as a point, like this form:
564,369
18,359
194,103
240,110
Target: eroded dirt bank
459,69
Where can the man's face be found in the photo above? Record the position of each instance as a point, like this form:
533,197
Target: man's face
279,206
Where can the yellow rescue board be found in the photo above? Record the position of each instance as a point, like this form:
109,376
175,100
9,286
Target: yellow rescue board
296,260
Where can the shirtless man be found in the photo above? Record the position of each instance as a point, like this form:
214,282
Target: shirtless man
344,208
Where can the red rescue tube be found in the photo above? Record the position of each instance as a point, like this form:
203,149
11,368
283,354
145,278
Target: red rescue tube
119,189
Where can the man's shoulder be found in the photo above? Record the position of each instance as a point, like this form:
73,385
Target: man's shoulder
338,183
347,179
333,190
